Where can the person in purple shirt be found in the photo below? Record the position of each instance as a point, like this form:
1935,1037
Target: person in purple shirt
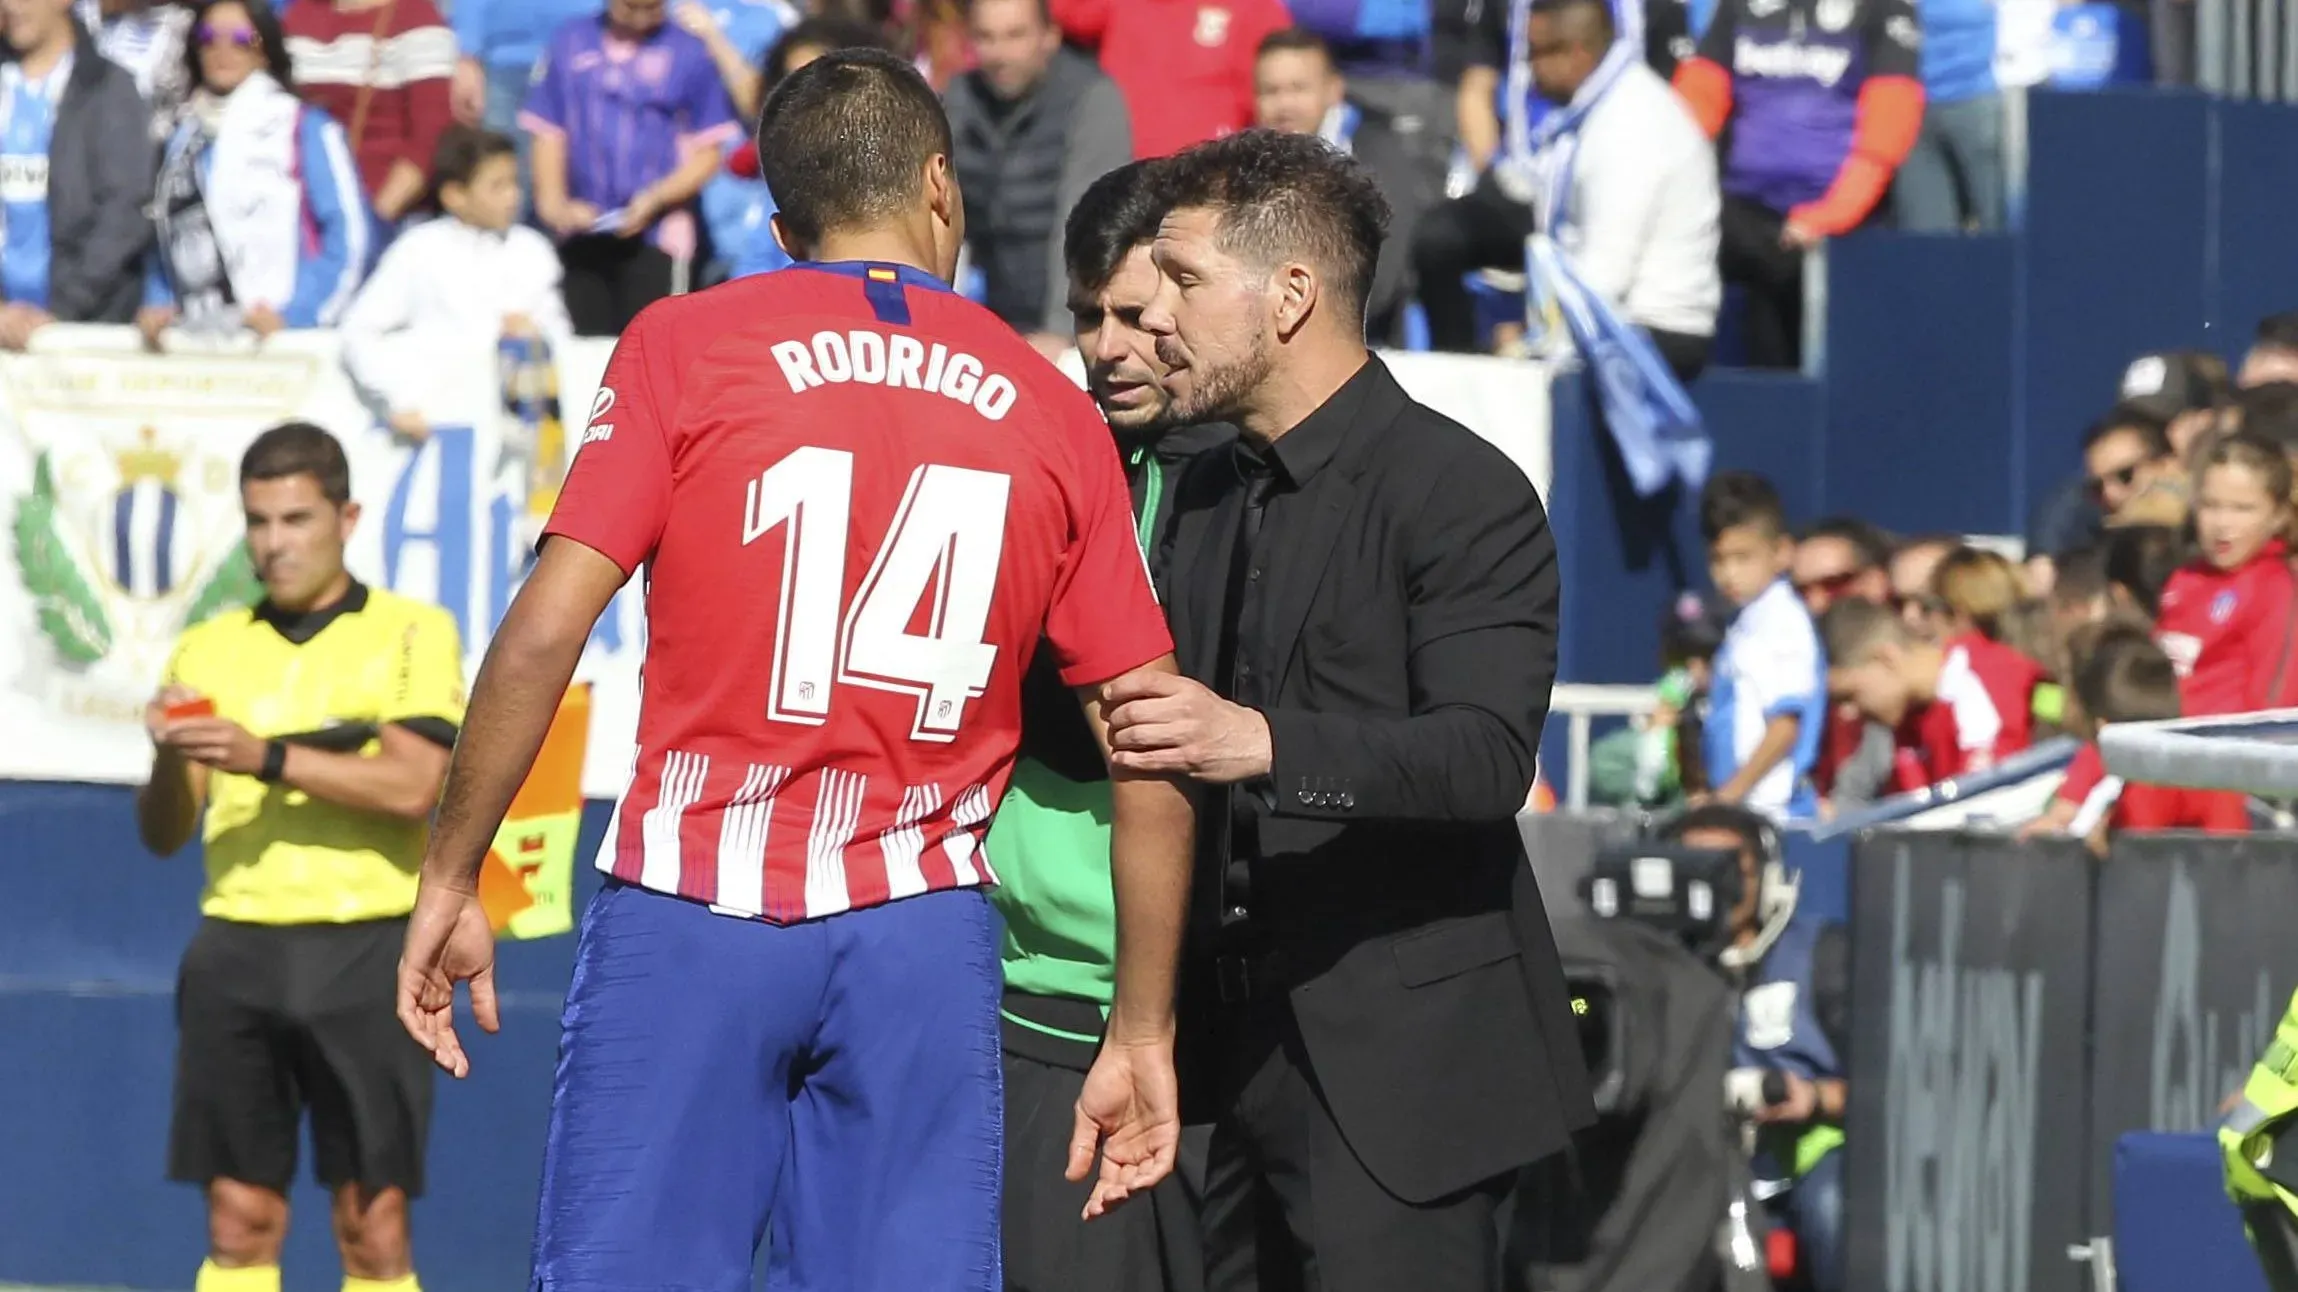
629,122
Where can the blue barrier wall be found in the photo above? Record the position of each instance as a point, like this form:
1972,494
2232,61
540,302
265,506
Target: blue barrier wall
89,942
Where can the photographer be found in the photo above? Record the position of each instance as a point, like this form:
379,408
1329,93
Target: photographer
1787,1078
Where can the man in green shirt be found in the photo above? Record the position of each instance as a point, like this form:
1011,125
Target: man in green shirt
1050,840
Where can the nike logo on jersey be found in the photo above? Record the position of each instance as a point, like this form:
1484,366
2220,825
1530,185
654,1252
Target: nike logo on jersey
893,359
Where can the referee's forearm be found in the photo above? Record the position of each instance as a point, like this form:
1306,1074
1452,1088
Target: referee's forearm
525,674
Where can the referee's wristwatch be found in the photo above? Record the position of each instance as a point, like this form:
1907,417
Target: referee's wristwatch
274,761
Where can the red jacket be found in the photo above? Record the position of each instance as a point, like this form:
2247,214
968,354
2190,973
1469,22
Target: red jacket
1982,713
1185,66
2230,635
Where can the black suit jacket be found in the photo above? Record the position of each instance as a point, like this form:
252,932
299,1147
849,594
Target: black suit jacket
1411,630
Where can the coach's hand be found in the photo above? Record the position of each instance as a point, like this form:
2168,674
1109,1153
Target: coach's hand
1166,723
448,941
1130,1110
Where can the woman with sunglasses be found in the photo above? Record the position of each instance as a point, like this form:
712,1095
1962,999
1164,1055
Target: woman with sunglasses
261,221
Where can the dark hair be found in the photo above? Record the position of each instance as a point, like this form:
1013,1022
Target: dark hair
2277,332
1115,214
267,33
1853,626
462,150
843,140
2270,412
2150,428
824,33
1753,831
299,449
2126,678
1298,40
1597,37
1868,542
2078,575
1281,197
1734,499
2140,559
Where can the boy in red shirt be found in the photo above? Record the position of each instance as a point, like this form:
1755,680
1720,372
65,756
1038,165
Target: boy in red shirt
1957,706
2126,677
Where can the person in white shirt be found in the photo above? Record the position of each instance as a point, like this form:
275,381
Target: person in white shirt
1636,207
473,275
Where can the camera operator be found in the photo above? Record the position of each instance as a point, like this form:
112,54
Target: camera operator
1787,1078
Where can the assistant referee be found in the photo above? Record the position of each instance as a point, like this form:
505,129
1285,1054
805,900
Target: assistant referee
313,729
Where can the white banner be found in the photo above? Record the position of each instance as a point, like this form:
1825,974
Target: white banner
119,483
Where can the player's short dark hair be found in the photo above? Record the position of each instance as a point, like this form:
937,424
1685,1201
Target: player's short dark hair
1854,626
1282,197
827,33
2125,677
462,150
2143,422
1115,214
1588,21
1734,499
2277,332
2270,412
299,449
843,140
1868,543
2140,560
1294,40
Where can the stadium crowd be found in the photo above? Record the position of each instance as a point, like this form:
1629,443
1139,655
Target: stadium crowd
226,165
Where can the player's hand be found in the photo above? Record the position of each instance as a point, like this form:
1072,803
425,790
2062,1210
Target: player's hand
1129,1110
1168,724
219,743
448,941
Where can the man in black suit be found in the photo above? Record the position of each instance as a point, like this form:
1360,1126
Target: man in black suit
1364,594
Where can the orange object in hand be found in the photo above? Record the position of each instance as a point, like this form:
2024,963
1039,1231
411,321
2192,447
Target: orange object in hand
199,706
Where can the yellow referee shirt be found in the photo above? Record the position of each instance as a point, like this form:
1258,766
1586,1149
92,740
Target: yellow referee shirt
331,679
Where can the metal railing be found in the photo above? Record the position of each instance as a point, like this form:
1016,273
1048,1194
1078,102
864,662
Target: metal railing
1580,704
2243,49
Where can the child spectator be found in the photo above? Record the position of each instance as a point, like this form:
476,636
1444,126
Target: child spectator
2227,616
1976,592
471,276
1957,706
261,223
1768,700
1654,760
2125,677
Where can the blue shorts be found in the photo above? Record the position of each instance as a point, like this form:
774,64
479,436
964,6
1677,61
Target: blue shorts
834,1083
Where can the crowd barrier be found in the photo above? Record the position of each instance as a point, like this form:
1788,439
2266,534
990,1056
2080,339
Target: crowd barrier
118,477
2017,1008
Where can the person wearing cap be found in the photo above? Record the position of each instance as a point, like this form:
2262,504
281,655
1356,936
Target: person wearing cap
2187,393
2187,389
2273,355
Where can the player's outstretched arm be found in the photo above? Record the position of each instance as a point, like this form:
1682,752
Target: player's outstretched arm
528,666
1130,1107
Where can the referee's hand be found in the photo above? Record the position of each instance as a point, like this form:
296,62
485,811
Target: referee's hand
448,941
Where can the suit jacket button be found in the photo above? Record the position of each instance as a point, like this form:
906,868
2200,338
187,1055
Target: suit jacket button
1347,800
1304,796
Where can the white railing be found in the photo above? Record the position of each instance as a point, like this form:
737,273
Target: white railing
1580,704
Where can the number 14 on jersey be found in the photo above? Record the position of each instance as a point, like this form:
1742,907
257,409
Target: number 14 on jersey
941,552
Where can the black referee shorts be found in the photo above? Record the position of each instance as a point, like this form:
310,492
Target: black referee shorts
273,1019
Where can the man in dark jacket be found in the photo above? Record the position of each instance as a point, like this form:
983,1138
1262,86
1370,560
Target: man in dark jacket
1034,124
75,177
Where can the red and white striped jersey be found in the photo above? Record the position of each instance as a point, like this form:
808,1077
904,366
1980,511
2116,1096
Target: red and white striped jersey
861,502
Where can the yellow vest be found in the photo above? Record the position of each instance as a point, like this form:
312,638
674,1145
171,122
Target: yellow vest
2269,1099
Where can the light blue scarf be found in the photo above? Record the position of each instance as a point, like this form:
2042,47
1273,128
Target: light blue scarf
1655,424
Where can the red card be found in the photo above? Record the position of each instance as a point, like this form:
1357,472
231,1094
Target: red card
199,706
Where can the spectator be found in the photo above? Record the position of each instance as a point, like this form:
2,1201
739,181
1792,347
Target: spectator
1823,104
2124,677
1637,215
2124,454
382,67
501,44
1957,706
1841,556
1474,34
2228,616
1032,126
2080,596
147,37
739,34
2273,353
2268,411
737,205
1387,53
629,123
1979,593
260,220
1954,177
1298,89
2188,390
1768,698
1186,69
75,158
470,277
1912,564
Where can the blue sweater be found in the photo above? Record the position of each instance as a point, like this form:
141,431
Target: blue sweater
1958,49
